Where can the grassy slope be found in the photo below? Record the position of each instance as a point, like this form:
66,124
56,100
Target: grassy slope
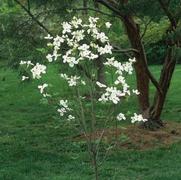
34,144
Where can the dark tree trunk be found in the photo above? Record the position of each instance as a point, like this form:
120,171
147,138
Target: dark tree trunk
99,61
159,100
100,70
141,74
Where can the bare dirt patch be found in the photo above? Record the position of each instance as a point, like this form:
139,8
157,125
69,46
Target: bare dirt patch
134,137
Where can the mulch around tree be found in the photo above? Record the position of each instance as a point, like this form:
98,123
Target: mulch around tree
134,137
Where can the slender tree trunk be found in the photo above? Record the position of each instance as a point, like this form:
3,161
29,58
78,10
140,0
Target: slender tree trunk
99,60
159,100
141,75
100,70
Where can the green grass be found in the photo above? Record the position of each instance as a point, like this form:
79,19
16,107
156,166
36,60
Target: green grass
36,145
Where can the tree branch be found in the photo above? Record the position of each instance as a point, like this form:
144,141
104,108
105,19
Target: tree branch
168,13
112,6
146,27
118,49
154,81
33,17
96,10
28,1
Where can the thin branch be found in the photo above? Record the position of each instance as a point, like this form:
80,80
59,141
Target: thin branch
111,6
168,13
146,27
96,10
84,9
33,17
154,81
118,49
28,1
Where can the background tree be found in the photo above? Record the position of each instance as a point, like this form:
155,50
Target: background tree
129,14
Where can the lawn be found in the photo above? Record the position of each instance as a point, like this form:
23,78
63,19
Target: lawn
36,145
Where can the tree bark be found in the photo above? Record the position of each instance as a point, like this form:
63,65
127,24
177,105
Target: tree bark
100,70
166,73
99,60
165,79
141,75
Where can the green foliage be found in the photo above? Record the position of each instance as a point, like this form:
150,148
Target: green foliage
19,37
156,53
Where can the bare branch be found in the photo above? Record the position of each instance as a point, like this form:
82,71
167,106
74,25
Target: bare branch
82,9
96,10
118,49
111,5
33,17
28,1
168,13
154,81
146,27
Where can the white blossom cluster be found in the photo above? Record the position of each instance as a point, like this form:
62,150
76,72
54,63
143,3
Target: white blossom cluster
37,70
137,118
81,40
42,90
64,109
81,43
121,117
27,63
112,93
72,80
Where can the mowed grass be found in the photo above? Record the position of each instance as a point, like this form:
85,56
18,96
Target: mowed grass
36,145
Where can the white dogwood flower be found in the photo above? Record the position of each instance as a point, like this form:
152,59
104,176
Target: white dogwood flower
121,117
63,103
24,78
62,111
101,85
70,117
64,108
111,94
107,49
37,70
66,27
42,87
72,80
137,118
135,91
49,57
28,63
48,37
108,24
102,37
76,22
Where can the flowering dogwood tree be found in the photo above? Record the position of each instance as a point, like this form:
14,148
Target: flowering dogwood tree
80,44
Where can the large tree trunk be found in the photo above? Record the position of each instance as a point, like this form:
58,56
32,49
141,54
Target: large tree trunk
141,75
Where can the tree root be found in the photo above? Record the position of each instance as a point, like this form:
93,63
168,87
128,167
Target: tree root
152,124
